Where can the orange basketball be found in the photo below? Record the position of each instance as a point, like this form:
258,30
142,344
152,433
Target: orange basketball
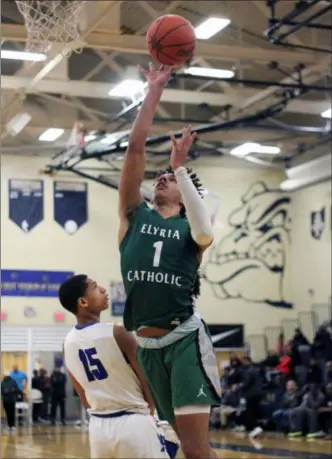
171,40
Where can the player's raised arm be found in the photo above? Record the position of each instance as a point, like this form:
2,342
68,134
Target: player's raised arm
128,345
134,162
197,213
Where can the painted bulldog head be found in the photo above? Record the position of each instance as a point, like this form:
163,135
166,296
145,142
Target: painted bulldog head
249,262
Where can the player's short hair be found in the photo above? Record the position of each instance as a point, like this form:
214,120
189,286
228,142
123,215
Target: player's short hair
71,290
196,289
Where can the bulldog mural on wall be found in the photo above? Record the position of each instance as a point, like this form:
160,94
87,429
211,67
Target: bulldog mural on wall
249,262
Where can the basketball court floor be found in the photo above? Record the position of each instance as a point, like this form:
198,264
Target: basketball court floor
70,442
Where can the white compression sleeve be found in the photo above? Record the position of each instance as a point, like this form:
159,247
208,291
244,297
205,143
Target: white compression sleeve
197,213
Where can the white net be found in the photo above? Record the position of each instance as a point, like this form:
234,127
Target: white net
52,21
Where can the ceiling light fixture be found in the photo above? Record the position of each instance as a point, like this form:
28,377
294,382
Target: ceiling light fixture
209,72
89,137
51,134
128,88
22,55
327,113
16,124
210,27
247,148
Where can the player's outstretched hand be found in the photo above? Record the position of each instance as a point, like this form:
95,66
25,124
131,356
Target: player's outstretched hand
156,78
181,147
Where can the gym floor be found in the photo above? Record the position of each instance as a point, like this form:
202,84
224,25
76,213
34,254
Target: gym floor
70,442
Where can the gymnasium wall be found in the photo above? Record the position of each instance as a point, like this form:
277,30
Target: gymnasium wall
92,249
311,245
247,270
258,271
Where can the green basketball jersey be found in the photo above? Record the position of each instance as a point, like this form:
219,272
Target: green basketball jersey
159,264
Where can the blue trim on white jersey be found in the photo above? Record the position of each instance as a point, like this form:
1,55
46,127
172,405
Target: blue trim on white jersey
118,414
81,327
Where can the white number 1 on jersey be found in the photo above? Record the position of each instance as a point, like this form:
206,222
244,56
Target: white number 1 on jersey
156,259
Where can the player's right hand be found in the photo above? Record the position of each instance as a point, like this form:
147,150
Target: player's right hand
156,78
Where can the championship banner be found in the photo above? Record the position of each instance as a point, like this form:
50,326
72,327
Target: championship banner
70,205
317,223
118,298
227,336
15,282
26,203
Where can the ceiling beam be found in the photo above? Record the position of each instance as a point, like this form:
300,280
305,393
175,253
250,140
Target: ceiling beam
309,75
261,6
113,55
58,53
234,136
136,45
96,90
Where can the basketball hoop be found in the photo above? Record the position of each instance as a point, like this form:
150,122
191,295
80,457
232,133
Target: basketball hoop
52,21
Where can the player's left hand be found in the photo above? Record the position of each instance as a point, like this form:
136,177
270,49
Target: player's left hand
181,147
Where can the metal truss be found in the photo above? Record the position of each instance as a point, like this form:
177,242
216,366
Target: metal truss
107,152
293,23
261,83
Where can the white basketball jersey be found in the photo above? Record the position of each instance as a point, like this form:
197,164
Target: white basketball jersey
94,359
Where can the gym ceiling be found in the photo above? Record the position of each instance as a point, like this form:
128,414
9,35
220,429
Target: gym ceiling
279,51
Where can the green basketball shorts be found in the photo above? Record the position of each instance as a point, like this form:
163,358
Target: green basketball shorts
182,373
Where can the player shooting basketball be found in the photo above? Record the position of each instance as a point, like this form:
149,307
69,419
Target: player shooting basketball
161,250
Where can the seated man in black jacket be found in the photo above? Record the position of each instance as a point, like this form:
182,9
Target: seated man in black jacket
325,411
290,400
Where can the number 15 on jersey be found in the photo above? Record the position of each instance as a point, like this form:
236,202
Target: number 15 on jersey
93,367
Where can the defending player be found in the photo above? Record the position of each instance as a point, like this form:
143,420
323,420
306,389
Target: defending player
161,250
101,360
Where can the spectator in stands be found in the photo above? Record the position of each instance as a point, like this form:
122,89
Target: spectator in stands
58,394
270,365
290,400
314,375
231,413
325,412
252,391
9,394
322,346
36,380
285,365
300,354
328,373
235,371
282,347
308,411
36,385
46,389
21,380
224,378
272,360
299,339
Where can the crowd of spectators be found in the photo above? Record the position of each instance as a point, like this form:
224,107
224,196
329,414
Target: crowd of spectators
47,394
289,392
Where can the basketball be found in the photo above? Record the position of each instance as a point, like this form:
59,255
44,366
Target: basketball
171,40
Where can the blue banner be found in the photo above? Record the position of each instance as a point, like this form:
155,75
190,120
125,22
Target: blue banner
15,282
70,205
118,298
26,203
